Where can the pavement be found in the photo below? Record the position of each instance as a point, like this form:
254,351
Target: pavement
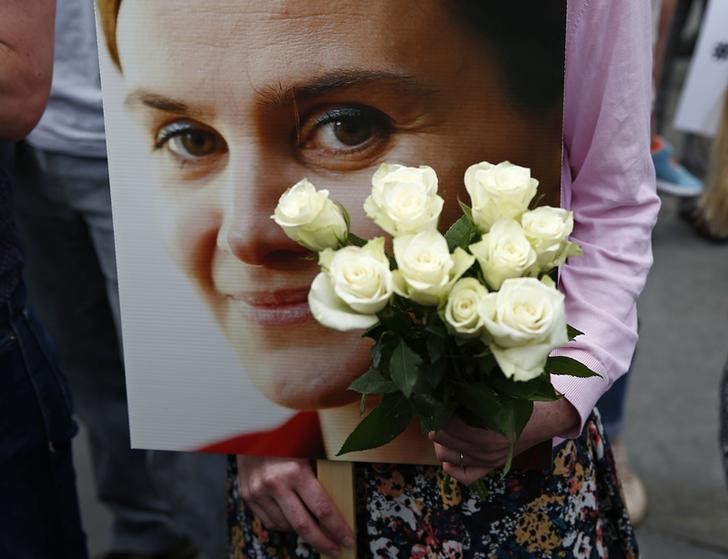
672,420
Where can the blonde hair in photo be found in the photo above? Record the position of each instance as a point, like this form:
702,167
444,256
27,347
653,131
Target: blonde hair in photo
714,201
108,10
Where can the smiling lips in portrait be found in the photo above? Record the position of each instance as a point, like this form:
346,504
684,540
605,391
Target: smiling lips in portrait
283,307
239,103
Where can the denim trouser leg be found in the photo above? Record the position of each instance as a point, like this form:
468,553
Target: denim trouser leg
611,407
39,514
64,217
612,403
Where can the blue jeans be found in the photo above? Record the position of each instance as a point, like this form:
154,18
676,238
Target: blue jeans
612,403
39,513
63,214
611,407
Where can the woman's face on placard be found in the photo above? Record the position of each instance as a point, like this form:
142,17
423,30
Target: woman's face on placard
238,101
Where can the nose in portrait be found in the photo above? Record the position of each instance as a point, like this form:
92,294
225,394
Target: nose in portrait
257,179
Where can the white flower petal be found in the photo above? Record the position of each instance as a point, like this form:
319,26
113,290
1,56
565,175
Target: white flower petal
332,312
308,217
522,363
404,199
497,191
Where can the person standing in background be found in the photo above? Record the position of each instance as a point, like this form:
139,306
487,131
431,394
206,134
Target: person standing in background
39,514
713,204
673,178
164,505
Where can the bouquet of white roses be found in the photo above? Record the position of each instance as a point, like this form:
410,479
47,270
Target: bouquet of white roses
463,323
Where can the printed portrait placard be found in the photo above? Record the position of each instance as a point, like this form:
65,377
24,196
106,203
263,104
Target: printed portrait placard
213,109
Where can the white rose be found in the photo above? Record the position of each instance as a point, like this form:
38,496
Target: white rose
355,284
525,320
496,191
548,229
463,312
404,200
426,269
310,218
504,253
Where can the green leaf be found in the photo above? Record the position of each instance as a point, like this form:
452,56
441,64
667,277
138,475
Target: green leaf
507,416
383,349
375,332
436,327
522,410
461,342
356,241
345,213
536,202
460,234
449,392
467,211
504,421
394,320
435,338
481,403
539,388
435,347
568,366
509,456
433,373
486,364
381,425
403,367
514,416
433,413
573,332
392,262
373,382
363,403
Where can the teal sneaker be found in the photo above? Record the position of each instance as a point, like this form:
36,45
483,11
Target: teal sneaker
672,177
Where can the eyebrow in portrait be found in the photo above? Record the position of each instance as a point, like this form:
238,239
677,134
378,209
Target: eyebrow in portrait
284,94
146,98
281,94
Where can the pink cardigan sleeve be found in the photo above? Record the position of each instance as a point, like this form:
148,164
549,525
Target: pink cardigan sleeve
608,182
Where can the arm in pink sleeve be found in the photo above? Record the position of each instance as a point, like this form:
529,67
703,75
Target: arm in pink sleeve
608,182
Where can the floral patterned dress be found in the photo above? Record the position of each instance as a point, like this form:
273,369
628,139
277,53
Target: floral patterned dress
575,510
